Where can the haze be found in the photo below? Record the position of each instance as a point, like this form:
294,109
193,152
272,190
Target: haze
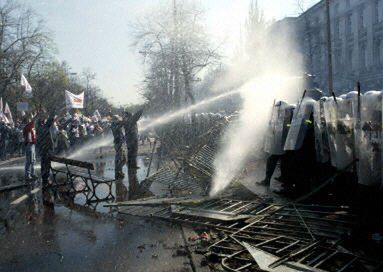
96,34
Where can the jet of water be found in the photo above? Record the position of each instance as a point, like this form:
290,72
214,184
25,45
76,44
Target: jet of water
168,117
107,140
17,167
164,119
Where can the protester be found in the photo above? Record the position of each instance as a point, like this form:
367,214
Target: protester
63,143
3,140
131,133
66,132
119,137
30,143
46,149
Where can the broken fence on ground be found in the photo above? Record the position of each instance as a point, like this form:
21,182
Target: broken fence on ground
260,236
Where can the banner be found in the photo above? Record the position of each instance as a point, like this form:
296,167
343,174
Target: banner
74,101
24,82
8,114
22,106
1,104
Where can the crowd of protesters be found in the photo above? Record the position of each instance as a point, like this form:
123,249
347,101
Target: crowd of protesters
11,140
66,132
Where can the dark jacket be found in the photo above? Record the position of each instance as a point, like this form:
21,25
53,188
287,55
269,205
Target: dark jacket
46,144
131,128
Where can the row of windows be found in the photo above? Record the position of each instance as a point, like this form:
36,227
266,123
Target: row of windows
347,62
361,13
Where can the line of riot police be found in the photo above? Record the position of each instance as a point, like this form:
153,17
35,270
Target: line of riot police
323,135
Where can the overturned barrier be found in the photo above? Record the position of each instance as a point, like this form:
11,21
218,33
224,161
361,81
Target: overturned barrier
303,237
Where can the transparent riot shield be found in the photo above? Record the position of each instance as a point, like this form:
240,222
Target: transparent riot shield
315,94
288,116
274,138
299,124
329,107
340,123
345,129
321,139
368,139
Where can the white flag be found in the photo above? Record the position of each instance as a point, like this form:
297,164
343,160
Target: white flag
74,101
8,114
97,115
3,118
24,82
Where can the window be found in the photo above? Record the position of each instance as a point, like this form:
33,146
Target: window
336,28
336,9
338,60
362,57
379,10
381,51
378,51
348,25
362,21
349,60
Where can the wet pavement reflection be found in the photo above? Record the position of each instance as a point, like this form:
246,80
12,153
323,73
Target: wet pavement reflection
55,230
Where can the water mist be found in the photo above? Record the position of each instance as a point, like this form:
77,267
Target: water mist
275,69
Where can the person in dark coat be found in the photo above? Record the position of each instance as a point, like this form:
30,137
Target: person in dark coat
3,139
119,137
46,150
131,136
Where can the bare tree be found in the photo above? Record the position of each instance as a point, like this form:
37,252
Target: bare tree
23,43
176,49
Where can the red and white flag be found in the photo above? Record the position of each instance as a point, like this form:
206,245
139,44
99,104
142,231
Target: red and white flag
74,101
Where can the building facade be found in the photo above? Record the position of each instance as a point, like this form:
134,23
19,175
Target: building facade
357,43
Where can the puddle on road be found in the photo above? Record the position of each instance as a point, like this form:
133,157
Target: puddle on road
60,236
104,167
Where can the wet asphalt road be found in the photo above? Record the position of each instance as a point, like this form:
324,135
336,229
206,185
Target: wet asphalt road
36,237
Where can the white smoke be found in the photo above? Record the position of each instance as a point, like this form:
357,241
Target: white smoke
273,72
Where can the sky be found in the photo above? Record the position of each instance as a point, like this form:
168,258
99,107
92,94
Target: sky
97,34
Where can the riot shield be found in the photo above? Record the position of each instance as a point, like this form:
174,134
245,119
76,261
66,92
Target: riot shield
345,129
340,123
272,135
315,94
368,139
329,107
321,139
299,124
278,128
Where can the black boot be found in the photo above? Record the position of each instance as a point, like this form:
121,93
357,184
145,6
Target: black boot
265,182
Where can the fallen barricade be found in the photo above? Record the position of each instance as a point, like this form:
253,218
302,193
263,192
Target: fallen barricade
261,236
